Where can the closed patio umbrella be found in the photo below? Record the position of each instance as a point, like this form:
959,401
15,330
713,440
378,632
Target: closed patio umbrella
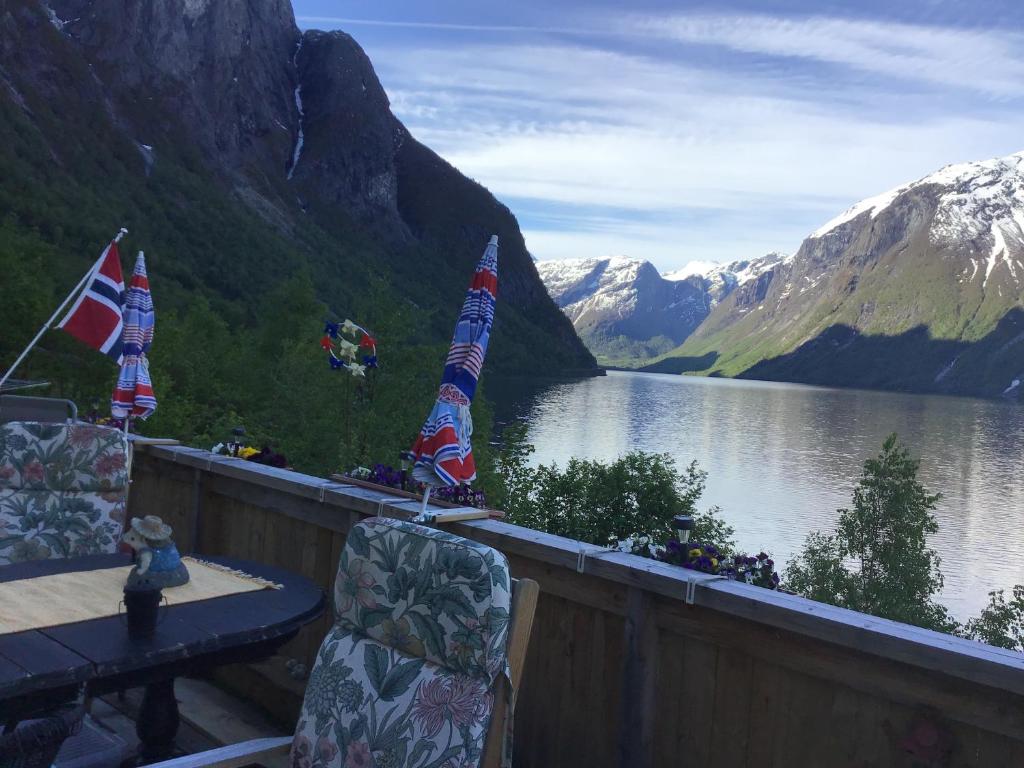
443,452
133,396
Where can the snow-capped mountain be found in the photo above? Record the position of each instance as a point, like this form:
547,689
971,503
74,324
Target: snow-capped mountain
919,288
721,279
622,308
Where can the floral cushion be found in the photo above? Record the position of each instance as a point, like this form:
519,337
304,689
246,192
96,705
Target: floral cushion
63,490
62,457
428,593
370,705
405,676
35,525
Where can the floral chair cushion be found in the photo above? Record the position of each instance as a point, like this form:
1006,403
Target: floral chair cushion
62,457
405,677
427,593
35,525
63,490
368,705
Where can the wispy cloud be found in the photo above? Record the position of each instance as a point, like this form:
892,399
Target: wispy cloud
987,60
699,136
337,21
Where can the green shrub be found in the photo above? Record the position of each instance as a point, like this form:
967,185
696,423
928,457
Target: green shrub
636,496
879,561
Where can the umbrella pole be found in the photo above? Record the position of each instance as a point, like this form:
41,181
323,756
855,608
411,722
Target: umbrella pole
426,498
128,442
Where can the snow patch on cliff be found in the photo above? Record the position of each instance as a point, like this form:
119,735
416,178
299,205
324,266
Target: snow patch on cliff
195,8
300,138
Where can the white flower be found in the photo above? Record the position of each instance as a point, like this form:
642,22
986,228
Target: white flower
347,349
358,370
349,327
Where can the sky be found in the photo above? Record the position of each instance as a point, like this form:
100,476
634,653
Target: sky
680,131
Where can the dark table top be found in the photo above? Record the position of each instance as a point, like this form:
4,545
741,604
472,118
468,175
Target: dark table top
189,637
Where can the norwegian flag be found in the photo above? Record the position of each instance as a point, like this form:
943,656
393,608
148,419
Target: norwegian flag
95,318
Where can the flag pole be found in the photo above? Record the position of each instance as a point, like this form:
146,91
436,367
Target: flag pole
46,326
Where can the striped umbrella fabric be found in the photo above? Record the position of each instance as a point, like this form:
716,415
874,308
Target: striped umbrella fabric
133,396
443,451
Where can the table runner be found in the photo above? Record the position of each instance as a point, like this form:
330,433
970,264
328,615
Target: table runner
65,598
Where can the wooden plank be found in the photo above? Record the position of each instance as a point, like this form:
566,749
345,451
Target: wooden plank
762,716
219,715
605,684
730,728
788,734
579,679
308,509
668,738
571,586
696,693
639,682
985,749
978,705
196,514
814,737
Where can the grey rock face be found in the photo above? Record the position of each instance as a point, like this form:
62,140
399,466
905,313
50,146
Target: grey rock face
221,67
350,137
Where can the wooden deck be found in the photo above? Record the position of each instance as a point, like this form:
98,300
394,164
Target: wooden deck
622,669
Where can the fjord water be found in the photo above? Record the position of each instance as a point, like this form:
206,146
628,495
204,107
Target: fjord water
782,458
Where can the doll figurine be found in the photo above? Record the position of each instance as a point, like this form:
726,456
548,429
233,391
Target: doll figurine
158,562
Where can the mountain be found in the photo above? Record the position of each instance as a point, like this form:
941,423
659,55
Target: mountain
920,288
622,308
240,153
722,279
626,313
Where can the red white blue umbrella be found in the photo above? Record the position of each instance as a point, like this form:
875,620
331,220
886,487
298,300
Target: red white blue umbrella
443,451
133,396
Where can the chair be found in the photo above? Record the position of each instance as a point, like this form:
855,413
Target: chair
49,409
63,490
421,664
35,743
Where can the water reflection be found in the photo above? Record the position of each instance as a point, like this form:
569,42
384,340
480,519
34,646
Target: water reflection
781,458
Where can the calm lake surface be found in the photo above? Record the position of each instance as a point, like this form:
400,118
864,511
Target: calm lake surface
781,458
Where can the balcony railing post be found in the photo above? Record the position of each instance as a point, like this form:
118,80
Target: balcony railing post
640,674
197,505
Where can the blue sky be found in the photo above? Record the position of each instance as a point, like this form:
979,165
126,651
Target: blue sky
678,132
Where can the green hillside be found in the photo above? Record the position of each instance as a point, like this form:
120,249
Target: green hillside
243,276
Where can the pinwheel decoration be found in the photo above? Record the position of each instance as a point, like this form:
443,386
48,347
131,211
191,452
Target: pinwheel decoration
355,355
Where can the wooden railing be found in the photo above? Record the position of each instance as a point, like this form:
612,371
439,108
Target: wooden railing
634,662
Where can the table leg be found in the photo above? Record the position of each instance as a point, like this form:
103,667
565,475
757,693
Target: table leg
158,722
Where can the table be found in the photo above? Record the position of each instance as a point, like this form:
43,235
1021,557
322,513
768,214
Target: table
42,668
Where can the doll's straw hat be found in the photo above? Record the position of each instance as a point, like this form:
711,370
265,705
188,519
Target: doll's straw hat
151,527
